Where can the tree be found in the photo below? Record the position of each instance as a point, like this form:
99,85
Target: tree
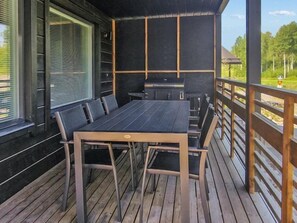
239,50
266,49
286,44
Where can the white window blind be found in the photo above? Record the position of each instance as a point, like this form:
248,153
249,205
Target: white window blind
8,61
71,59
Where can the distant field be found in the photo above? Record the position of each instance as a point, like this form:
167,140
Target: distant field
288,83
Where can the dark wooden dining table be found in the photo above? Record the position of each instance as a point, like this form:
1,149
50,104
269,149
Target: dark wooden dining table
138,121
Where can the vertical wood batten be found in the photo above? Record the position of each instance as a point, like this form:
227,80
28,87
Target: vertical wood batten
178,46
113,57
232,122
251,133
287,167
146,47
223,113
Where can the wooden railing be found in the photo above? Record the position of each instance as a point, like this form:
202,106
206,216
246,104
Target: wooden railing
273,146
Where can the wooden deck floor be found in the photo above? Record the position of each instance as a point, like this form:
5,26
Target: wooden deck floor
229,202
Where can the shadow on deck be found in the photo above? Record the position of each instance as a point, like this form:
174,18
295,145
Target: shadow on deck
40,201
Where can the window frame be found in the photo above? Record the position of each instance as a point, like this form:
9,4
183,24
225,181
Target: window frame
91,63
18,45
24,123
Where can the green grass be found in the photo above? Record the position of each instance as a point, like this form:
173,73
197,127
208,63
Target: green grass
288,83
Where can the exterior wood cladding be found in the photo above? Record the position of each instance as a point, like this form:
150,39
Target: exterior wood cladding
26,155
169,47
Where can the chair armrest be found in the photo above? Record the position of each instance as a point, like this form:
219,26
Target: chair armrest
67,142
94,143
198,150
169,148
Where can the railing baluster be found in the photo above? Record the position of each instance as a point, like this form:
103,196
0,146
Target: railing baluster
232,123
251,151
223,112
287,167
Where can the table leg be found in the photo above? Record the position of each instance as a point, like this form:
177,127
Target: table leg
184,180
81,208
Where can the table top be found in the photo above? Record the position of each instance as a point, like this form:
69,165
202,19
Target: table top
149,116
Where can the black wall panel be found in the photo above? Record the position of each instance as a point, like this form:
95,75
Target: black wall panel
130,45
128,83
197,43
162,44
199,83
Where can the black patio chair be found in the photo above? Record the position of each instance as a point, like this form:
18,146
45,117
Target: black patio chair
103,157
196,129
95,111
110,103
165,160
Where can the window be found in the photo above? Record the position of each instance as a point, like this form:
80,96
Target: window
9,95
71,59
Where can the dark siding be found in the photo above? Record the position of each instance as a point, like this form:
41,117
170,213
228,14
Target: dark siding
106,62
162,44
25,156
197,44
128,83
130,45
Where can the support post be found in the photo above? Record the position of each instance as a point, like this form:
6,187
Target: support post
287,167
253,26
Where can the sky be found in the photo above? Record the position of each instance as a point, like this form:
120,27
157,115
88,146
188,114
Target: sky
275,13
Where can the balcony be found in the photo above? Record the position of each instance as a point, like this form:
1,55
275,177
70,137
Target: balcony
229,201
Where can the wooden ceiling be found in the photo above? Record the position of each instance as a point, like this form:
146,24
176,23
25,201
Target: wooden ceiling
139,8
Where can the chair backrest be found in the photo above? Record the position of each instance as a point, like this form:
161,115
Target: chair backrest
70,120
110,103
203,110
208,128
94,110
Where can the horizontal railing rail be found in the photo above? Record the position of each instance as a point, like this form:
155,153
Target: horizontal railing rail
273,144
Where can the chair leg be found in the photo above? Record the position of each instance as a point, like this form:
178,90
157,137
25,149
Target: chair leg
204,201
90,175
131,166
142,194
143,185
135,163
66,189
142,153
67,178
114,170
117,193
153,183
207,188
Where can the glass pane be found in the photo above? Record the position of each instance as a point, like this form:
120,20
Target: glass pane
8,61
71,59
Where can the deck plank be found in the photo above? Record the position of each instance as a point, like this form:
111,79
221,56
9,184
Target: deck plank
225,204
237,206
229,202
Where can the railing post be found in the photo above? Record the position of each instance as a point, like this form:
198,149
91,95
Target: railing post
287,167
251,151
232,122
223,112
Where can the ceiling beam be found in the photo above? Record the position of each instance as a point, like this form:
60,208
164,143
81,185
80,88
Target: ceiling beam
222,6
